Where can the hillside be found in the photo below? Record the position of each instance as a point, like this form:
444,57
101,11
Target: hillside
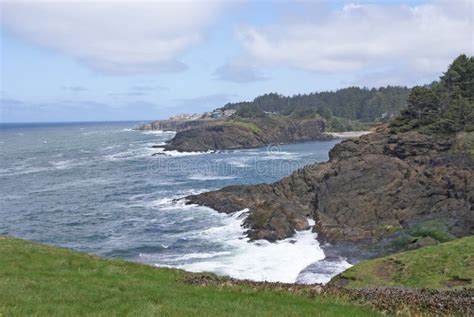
353,103
40,280
446,265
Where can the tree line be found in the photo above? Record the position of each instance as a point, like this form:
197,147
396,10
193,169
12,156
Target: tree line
353,103
444,107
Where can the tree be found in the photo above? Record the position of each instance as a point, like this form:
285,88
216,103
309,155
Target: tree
443,107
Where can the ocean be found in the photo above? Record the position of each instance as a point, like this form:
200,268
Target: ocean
98,188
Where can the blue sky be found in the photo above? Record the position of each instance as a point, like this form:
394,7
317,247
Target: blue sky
115,60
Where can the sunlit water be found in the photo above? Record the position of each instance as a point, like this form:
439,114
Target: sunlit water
95,187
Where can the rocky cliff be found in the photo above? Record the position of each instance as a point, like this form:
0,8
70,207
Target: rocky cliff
173,125
252,133
374,188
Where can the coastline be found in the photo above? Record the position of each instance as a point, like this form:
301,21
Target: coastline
347,134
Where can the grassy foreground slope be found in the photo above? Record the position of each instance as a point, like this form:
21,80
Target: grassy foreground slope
446,265
42,280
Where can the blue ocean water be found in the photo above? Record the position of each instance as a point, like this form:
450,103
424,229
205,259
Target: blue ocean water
96,188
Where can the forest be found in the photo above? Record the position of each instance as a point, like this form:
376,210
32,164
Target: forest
353,104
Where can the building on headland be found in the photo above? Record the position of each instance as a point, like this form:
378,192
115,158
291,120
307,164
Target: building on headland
229,112
186,116
216,114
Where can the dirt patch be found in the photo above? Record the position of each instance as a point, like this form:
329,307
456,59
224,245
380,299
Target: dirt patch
206,280
388,269
457,282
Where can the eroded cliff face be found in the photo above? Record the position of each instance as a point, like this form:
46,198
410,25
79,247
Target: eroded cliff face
227,135
372,188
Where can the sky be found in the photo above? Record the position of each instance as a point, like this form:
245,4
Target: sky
144,60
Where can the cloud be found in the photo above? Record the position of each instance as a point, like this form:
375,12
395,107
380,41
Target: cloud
15,110
149,88
74,88
128,94
203,103
67,110
139,91
358,37
239,72
115,37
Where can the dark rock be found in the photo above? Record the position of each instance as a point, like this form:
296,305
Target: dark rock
423,242
229,135
371,188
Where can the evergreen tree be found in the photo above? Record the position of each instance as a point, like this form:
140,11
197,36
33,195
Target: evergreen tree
443,107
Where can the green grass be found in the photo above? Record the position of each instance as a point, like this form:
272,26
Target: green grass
246,125
40,280
446,265
434,229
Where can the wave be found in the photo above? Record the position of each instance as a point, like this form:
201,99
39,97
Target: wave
259,260
130,154
204,255
65,164
159,132
30,169
22,169
202,177
173,202
239,162
74,184
236,256
322,271
178,154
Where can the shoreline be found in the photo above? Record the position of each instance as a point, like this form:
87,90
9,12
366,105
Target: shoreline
347,134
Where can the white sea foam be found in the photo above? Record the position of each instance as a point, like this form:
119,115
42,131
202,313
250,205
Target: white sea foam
168,203
239,162
347,135
260,260
279,155
24,168
281,261
159,144
159,132
134,153
177,153
65,164
202,177
204,255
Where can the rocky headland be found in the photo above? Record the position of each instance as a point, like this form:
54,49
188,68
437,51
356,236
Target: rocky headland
241,133
173,125
382,191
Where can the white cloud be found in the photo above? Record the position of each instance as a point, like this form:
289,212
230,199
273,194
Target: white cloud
361,37
238,70
114,36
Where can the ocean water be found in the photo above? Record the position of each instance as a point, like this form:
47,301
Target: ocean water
97,188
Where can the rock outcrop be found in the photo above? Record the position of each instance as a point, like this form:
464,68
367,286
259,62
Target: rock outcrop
372,189
235,134
173,125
